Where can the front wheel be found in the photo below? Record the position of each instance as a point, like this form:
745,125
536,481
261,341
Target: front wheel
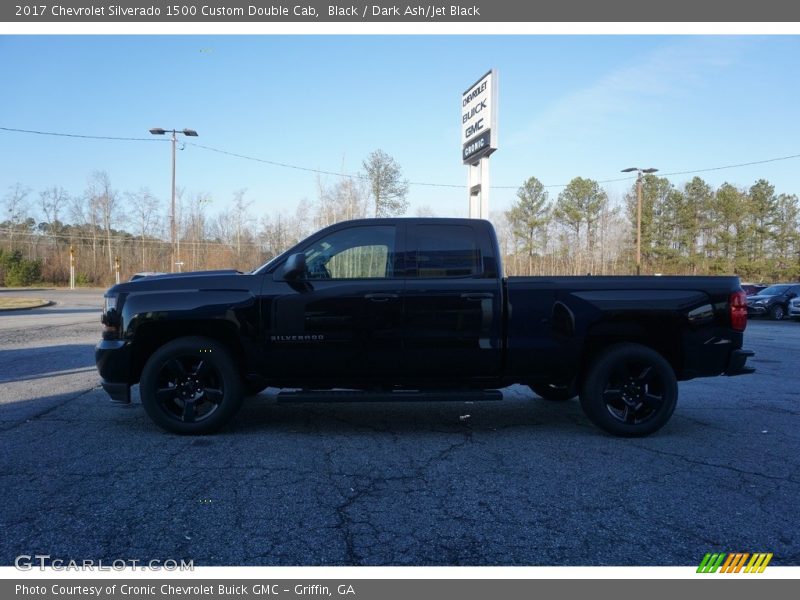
777,312
630,391
191,386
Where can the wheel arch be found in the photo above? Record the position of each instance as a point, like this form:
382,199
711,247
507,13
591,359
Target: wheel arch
152,336
663,337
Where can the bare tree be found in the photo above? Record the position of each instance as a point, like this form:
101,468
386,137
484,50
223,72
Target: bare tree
53,200
145,208
85,210
240,217
196,224
105,198
16,205
386,183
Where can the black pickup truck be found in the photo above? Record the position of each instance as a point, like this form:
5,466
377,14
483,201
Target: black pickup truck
406,307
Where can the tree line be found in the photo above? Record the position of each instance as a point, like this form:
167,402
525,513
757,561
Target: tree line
693,229
102,225
689,230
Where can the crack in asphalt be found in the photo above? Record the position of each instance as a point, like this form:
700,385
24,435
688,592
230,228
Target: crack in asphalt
787,479
371,487
17,423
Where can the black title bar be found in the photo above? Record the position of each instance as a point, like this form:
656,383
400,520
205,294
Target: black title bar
375,11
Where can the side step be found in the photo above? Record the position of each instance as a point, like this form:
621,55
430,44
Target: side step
395,396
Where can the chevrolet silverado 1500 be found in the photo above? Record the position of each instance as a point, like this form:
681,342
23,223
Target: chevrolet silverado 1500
398,307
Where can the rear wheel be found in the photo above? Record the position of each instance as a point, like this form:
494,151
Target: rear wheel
191,386
630,391
554,392
777,312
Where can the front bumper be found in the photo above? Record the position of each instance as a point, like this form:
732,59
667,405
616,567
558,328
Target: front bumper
120,393
736,364
113,359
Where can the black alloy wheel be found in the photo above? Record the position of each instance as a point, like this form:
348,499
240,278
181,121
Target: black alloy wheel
630,390
191,386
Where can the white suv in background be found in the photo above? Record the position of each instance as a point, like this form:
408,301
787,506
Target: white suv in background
794,308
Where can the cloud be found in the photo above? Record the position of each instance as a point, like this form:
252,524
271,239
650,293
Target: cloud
659,79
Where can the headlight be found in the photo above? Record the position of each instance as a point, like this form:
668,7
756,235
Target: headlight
110,303
761,301
110,317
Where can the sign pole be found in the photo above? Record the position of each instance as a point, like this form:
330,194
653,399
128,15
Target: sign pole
72,267
478,186
479,140
484,203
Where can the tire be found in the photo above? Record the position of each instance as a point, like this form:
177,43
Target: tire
630,391
553,392
777,312
191,386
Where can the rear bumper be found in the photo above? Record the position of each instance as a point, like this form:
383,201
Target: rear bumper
737,366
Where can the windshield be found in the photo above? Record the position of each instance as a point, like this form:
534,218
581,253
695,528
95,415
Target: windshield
773,290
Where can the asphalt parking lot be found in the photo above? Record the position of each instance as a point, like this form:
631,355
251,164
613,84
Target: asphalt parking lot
516,482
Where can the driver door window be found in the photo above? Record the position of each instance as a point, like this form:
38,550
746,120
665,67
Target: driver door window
355,253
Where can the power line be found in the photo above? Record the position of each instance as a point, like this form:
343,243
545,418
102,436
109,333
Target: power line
311,170
77,135
747,164
364,177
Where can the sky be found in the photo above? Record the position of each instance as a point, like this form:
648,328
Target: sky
569,105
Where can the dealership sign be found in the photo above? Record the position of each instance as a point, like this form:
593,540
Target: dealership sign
479,118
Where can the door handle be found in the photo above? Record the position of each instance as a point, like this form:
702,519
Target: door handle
381,297
477,295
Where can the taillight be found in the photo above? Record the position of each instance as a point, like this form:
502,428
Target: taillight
738,309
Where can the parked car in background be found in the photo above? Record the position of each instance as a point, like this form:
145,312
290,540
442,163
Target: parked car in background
751,289
773,301
144,274
794,309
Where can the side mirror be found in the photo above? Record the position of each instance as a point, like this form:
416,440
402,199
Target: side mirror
294,267
791,295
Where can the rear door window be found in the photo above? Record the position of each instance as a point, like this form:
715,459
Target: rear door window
446,251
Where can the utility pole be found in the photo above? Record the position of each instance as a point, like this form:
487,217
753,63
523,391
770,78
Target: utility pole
639,212
175,243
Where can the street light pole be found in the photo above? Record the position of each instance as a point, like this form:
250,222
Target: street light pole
174,242
176,252
639,213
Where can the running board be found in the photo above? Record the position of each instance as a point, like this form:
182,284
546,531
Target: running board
396,396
